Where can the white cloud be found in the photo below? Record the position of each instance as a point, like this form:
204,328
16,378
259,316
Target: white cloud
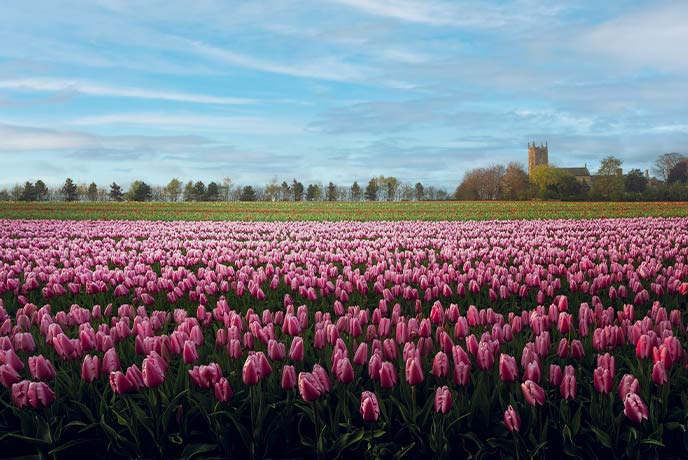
653,38
233,124
96,89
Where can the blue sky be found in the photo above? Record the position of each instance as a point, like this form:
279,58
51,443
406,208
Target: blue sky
337,90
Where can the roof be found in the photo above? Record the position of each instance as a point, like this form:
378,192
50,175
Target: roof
576,171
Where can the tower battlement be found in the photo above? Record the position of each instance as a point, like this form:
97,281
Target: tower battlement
537,155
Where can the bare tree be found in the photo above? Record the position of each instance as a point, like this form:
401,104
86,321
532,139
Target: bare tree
665,163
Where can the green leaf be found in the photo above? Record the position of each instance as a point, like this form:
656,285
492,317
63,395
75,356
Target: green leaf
652,442
67,445
602,437
193,450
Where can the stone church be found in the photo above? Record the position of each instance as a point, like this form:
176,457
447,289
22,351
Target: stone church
539,155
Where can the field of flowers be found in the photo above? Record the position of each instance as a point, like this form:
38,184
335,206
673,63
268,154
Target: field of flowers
499,339
338,211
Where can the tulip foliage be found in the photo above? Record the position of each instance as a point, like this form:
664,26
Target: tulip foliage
134,339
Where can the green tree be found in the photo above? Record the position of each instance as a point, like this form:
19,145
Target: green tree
635,181
248,194
189,191
213,192
199,191
546,179
139,191
69,189
331,192
679,173
92,192
116,192
41,190
420,191
285,191
313,192
355,192
372,190
515,183
665,163
173,189
297,189
28,192
609,183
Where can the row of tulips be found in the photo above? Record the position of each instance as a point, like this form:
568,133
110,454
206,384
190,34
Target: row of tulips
324,340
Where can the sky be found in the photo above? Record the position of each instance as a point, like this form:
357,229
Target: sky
334,90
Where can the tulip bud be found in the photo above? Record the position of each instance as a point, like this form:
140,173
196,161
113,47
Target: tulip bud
370,410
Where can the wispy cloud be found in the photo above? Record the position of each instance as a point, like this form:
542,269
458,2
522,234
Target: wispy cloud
96,89
233,124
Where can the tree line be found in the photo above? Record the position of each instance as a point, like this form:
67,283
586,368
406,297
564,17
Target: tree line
512,182
496,182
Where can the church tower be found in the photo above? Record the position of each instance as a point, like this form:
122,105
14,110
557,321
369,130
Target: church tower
537,155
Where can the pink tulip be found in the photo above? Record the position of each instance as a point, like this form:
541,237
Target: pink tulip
370,410
20,393
110,361
296,350
414,371
322,376
40,368
568,387
119,383
388,375
65,348
555,375
628,384
190,353
485,356
223,391
153,372
361,355
533,393
440,365
659,374
10,358
443,400
90,368
288,377
508,369
250,373
344,372
634,408
532,371
310,387
8,376
462,374
512,419
577,350
40,395
135,377
603,380
643,348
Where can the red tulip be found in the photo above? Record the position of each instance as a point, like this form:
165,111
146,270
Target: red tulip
90,368
443,400
369,407
223,391
512,419
634,408
288,377
533,393
508,370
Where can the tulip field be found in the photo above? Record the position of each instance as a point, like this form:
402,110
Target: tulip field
561,338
